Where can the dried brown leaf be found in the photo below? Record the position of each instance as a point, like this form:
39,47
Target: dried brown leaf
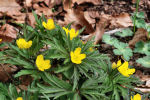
8,32
5,72
95,2
77,16
28,3
31,19
140,35
43,10
122,20
10,7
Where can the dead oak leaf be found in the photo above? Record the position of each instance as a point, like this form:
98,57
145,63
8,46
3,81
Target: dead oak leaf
10,7
140,35
28,3
122,20
5,71
95,2
8,32
77,16
43,10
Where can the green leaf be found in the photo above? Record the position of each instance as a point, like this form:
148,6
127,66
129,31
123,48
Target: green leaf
76,97
142,47
75,78
145,61
109,40
123,49
147,26
49,89
140,15
124,33
140,23
57,82
25,72
63,68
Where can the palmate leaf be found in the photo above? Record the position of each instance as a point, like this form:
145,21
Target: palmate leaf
123,49
145,61
140,15
143,48
109,40
140,23
124,33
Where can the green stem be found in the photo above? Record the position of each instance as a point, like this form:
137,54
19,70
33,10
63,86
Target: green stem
137,7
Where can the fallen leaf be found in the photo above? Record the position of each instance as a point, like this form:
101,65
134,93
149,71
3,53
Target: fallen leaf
122,20
31,19
5,71
77,16
95,2
140,35
28,3
43,10
8,32
100,29
10,7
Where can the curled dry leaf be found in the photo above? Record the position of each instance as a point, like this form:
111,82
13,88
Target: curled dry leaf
52,3
122,20
31,19
95,2
140,35
67,4
43,10
77,16
8,32
100,28
28,3
10,7
5,71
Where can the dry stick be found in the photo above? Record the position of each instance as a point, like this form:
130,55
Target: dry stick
108,32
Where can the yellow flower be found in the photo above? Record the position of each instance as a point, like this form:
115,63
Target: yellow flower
76,56
114,65
42,64
23,44
66,30
136,97
49,25
71,32
0,40
19,98
124,70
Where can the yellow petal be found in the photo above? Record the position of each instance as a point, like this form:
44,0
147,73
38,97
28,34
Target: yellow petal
82,56
0,40
77,51
136,97
19,98
124,70
66,30
50,24
47,64
42,64
44,24
114,65
118,63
